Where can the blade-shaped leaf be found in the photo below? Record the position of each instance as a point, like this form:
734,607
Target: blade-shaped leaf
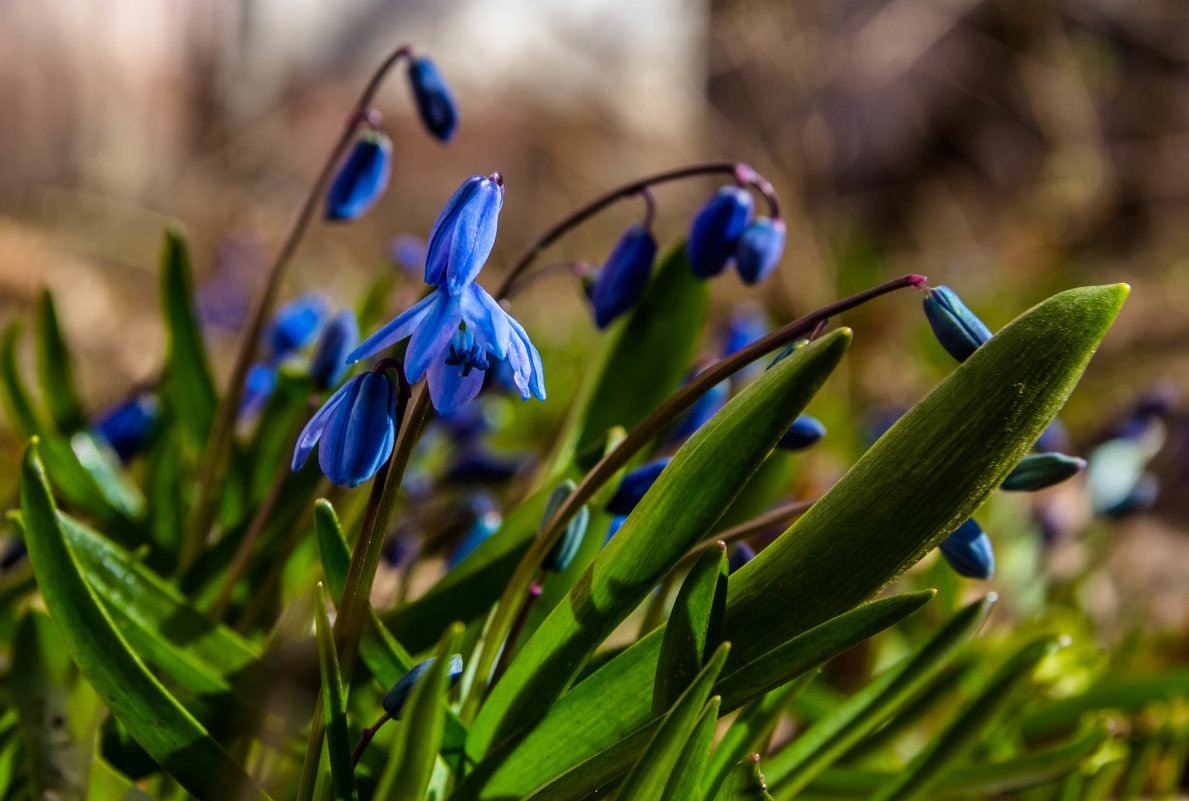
53,367
695,627
744,782
23,417
158,722
190,388
338,741
686,780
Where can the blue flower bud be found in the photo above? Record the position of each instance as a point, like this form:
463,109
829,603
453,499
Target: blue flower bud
804,432
742,554
464,233
259,384
716,230
635,485
361,179
339,337
295,324
127,426
487,522
759,249
396,698
563,553
624,275
968,550
958,330
433,98
354,430
1037,471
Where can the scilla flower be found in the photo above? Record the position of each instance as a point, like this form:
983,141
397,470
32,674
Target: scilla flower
354,430
624,275
759,249
362,178
458,330
957,328
803,433
295,324
433,98
127,426
396,698
328,364
968,550
716,230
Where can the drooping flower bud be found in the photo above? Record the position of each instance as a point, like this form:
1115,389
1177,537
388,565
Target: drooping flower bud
803,433
624,275
759,249
563,553
957,328
716,230
127,426
295,324
635,485
464,233
742,554
396,698
339,337
434,100
968,550
361,179
1038,471
354,430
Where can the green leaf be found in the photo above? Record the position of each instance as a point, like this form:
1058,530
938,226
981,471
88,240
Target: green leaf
53,368
744,782
650,352
338,741
108,784
40,680
23,418
796,765
965,731
677,513
652,771
686,780
189,386
953,448
1127,694
424,723
158,722
695,627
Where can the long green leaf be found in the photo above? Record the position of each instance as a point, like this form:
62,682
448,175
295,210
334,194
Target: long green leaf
23,417
338,741
744,782
695,627
53,368
158,722
686,500
685,783
1127,694
189,385
953,448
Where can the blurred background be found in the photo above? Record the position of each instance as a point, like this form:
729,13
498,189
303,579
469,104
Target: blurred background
1005,148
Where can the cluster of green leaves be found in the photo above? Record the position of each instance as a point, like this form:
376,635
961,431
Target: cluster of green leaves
140,675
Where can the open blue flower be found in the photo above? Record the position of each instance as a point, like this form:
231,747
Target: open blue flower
458,329
354,430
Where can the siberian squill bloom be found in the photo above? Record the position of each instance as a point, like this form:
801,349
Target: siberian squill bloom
957,328
968,550
716,230
362,178
328,364
759,249
803,433
458,329
624,275
127,426
434,101
396,698
354,430
635,485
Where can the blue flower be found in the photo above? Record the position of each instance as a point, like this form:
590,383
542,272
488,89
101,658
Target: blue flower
759,249
355,430
957,328
458,328
635,485
396,698
716,230
433,98
804,432
362,178
259,384
742,554
127,426
328,364
624,275
295,324
968,550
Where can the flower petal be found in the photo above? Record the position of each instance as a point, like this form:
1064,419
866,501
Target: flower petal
313,430
474,234
532,369
486,320
330,443
396,330
432,336
371,430
449,389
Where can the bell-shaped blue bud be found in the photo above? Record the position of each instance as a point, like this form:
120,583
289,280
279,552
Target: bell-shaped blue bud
635,485
354,430
624,275
803,433
127,426
295,324
396,698
361,179
716,230
759,249
339,337
562,554
434,100
1037,471
968,550
957,328
259,385
742,554
464,233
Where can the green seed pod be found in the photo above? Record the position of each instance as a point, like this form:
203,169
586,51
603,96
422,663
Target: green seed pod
1038,471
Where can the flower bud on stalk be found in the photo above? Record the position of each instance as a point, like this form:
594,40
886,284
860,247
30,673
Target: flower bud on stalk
717,229
624,275
635,485
957,328
805,432
759,249
339,337
396,698
434,101
1038,471
362,178
968,550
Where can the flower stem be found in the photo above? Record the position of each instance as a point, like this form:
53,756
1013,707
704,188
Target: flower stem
530,598
365,738
198,521
583,213
633,443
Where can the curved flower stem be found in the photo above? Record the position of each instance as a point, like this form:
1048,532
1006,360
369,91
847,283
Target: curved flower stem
604,200
365,738
633,443
746,176
198,521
